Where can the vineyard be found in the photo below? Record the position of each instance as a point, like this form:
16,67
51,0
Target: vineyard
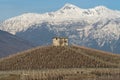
51,57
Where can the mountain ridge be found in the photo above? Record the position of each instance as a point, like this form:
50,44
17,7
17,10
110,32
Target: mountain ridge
10,44
45,17
97,27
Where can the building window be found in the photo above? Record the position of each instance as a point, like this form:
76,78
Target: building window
65,41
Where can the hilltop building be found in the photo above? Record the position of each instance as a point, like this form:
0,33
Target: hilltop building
60,41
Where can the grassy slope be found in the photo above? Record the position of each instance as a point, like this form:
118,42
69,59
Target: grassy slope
50,57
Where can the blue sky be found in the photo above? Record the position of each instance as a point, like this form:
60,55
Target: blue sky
11,8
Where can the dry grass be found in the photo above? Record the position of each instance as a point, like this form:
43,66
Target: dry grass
64,74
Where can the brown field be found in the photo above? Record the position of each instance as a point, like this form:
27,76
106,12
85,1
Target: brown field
61,63
63,74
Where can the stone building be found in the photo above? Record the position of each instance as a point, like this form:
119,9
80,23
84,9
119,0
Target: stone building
60,41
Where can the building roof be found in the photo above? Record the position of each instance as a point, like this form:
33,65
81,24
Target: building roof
61,37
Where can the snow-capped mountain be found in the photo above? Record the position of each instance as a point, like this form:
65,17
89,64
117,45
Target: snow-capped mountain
97,27
10,44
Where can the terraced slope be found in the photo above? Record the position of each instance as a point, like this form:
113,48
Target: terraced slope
50,57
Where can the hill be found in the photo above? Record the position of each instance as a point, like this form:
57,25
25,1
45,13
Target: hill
10,44
97,27
50,57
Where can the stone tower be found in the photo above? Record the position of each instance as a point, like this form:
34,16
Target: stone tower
60,41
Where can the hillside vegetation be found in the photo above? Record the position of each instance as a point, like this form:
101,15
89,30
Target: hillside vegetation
50,57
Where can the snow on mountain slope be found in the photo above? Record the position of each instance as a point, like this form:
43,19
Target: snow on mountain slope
68,12
10,44
97,27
